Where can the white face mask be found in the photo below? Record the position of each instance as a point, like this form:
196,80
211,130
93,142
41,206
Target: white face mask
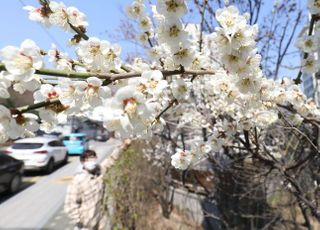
90,165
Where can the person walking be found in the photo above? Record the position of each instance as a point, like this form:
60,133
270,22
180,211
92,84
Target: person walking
84,199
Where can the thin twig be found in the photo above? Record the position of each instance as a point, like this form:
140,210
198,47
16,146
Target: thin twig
172,102
202,23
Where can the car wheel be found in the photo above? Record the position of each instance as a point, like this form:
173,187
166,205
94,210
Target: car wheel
65,160
15,183
50,166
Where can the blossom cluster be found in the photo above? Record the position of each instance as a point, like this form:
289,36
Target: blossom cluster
21,65
99,55
15,126
238,95
135,106
309,43
57,14
74,96
171,44
231,97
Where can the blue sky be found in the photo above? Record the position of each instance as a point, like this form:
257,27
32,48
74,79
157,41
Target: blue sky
103,15
15,26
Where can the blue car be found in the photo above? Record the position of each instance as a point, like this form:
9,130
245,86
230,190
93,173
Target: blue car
76,143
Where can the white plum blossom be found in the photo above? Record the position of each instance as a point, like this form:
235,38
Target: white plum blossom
50,115
181,159
131,101
171,32
46,92
153,80
265,118
71,93
308,44
21,64
184,55
76,18
136,9
145,23
173,8
156,16
56,13
80,95
221,38
244,37
297,98
60,59
23,61
215,141
132,112
62,16
59,16
112,56
230,20
95,93
143,38
4,85
36,14
29,85
24,126
314,6
157,52
91,51
100,55
5,115
180,89
247,84
4,92
115,120
311,64
50,119
17,125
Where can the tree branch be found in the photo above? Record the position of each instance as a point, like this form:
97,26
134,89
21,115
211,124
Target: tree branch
28,108
112,77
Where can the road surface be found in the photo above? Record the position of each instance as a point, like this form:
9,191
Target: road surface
39,203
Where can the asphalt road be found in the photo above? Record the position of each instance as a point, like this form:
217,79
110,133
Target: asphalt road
39,203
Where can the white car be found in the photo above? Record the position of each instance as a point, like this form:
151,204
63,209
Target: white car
39,153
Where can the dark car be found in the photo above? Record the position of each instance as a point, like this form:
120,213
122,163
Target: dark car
11,171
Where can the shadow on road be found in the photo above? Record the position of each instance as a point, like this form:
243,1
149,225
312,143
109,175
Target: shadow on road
28,179
5,196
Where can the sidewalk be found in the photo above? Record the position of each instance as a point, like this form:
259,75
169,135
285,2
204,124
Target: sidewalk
59,221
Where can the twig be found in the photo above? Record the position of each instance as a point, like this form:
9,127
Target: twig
172,102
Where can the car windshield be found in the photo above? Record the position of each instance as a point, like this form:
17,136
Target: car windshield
27,145
73,138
